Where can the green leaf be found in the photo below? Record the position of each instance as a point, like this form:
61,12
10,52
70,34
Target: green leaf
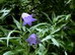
5,31
69,46
55,42
4,38
40,24
47,17
5,12
17,23
8,37
53,15
68,16
58,29
57,18
68,2
47,38
53,53
24,28
8,53
66,53
42,50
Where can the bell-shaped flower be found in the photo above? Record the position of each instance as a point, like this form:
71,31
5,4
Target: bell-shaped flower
28,19
33,39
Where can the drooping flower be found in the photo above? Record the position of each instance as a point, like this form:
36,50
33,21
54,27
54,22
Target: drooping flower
28,19
33,39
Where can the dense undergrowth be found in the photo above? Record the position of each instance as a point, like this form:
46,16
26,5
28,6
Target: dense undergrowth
54,27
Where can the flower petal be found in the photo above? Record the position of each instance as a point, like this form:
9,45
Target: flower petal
33,39
29,23
25,15
24,23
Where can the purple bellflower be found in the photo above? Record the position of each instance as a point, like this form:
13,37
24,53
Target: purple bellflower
33,40
28,19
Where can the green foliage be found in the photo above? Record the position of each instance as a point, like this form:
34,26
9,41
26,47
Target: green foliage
55,27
